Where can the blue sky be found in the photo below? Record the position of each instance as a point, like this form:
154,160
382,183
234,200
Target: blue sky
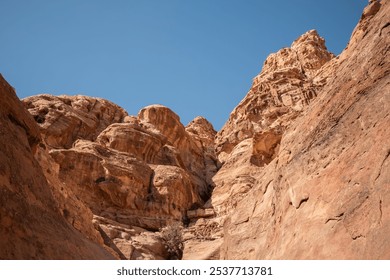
197,57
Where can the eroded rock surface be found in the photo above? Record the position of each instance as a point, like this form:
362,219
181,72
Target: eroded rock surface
285,86
326,194
250,139
64,119
31,224
127,172
299,171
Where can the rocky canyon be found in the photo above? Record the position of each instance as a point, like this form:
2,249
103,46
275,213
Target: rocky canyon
300,170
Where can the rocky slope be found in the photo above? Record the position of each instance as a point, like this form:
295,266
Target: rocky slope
299,171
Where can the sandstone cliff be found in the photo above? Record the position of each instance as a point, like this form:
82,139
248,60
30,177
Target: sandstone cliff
31,224
131,175
299,171
326,194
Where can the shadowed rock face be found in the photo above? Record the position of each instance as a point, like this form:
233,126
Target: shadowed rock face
299,171
31,225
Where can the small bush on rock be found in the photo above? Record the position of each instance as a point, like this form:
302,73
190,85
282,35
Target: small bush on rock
173,241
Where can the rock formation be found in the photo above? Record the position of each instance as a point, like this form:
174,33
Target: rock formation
31,224
285,86
288,83
131,175
299,171
64,119
326,194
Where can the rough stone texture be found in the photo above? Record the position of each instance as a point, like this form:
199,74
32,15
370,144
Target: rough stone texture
125,171
70,206
326,194
131,242
203,238
203,134
285,86
299,171
239,172
64,119
123,188
156,136
31,225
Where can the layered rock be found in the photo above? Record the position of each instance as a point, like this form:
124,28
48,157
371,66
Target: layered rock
288,83
141,171
284,87
64,119
31,224
325,195
299,171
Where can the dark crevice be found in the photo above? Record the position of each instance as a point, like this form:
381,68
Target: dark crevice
383,162
108,242
100,179
357,237
336,218
150,196
383,27
39,118
302,202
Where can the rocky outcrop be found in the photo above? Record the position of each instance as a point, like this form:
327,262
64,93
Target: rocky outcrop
299,171
157,137
31,224
126,172
284,87
288,83
324,195
64,119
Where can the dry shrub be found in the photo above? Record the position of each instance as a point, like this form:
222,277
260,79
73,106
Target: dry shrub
173,241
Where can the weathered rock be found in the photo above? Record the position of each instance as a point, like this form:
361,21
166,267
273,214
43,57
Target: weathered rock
135,173
234,179
200,213
295,177
130,242
285,86
31,225
70,206
203,134
162,120
326,195
64,119
203,238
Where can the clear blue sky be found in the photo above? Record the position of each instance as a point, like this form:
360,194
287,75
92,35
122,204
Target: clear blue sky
197,57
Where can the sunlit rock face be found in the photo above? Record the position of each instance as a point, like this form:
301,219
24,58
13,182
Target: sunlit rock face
141,171
299,171
326,193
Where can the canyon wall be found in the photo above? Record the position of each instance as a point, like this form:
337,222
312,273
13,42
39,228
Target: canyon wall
300,170
326,193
